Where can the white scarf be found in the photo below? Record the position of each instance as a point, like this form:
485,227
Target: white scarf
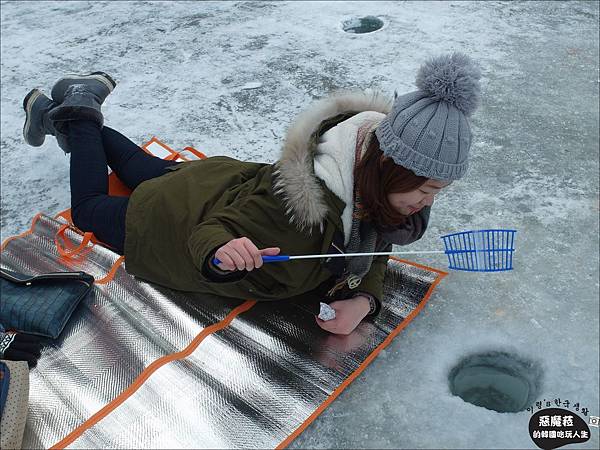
335,158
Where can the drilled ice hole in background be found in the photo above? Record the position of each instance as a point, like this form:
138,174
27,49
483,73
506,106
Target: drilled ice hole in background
495,380
359,25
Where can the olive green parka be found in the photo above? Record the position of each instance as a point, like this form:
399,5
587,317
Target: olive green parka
177,221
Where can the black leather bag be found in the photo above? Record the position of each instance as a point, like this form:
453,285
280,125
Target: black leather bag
41,304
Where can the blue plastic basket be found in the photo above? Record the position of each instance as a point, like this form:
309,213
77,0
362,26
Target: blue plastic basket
481,250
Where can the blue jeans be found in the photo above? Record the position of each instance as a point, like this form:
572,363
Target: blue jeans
92,149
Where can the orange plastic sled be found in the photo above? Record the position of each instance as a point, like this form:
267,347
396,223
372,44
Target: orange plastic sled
116,188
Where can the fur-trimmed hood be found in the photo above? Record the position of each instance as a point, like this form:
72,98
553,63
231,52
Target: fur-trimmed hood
294,177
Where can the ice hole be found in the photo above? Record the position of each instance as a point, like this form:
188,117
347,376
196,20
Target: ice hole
366,24
496,380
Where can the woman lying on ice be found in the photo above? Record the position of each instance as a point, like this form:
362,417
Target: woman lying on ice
357,173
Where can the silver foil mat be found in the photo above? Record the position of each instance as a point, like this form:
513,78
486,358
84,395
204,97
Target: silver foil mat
248,385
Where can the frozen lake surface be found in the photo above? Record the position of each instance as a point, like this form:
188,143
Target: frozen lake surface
229,77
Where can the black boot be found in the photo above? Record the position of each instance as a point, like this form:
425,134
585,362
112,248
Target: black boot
80,103
37,124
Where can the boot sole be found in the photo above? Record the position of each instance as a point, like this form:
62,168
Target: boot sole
28,102
103,77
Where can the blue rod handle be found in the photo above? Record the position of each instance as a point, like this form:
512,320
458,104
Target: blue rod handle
264,258
275,258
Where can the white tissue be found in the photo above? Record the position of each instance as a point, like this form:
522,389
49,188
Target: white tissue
327,312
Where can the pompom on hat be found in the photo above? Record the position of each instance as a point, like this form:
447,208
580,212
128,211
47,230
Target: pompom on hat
427,131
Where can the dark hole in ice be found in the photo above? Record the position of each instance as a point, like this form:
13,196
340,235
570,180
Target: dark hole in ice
495,380
366,24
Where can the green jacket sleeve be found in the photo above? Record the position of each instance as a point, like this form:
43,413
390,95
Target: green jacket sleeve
259,217
204,241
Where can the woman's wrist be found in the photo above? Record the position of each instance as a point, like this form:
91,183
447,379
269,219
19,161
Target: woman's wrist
364,304
371,300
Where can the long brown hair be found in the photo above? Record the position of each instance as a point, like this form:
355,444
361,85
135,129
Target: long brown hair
377,175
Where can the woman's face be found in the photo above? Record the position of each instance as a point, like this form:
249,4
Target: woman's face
410,202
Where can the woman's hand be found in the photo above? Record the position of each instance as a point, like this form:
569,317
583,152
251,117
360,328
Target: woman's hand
242,254
348,314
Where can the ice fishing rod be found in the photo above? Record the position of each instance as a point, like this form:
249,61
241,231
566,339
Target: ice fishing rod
472,251
276,258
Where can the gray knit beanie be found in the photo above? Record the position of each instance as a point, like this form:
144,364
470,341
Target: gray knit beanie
427,131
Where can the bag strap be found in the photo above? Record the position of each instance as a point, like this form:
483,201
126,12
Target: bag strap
21,278
72,251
